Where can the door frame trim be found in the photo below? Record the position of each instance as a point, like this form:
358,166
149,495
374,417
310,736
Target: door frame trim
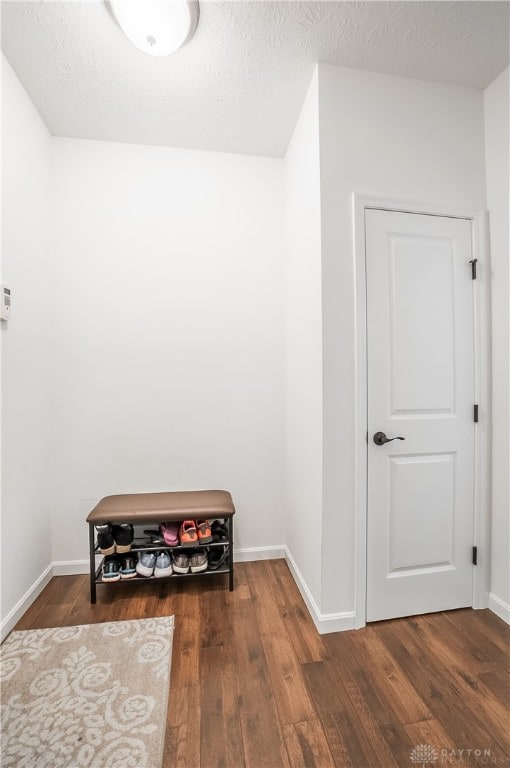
481,332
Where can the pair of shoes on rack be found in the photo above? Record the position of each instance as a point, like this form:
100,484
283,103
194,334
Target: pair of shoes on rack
187,533
164,564
193,532
194,561
152,564
115,568
114,538
200,560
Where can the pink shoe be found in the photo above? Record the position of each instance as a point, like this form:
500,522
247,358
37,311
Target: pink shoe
170,533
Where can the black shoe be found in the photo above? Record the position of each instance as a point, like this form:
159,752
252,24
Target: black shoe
105,540
217,557
154,535
123,535
219,531
111,570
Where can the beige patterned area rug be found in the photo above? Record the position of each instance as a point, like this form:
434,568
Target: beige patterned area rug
91,696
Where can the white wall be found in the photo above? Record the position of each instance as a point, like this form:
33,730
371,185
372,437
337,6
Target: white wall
161,353
394,137
25,529
167,332
497,147
303,339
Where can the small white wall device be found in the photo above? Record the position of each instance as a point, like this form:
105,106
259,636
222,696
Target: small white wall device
5,302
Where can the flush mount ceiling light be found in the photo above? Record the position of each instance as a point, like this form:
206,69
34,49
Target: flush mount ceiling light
156,27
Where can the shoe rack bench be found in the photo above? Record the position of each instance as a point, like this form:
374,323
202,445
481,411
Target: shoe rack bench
151,509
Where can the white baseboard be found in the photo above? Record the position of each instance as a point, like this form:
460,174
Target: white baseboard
78,567
500,608
70,567
329,622
246,555
26,601
324,622
249,554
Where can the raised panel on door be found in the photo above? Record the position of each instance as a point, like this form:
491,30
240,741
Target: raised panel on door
422,325
424,484
420,387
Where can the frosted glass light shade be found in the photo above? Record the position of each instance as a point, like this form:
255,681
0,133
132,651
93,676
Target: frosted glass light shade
156,27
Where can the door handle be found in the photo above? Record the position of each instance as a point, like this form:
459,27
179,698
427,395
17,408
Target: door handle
380,438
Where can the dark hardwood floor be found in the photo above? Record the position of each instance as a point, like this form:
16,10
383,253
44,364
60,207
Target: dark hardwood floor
253,684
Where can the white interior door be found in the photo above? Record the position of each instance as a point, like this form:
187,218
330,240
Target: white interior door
420,352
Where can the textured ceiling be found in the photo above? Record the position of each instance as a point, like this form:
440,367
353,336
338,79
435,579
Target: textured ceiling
239,84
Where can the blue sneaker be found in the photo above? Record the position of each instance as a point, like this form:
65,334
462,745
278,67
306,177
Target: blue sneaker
128,568
163,565
146,563
111,569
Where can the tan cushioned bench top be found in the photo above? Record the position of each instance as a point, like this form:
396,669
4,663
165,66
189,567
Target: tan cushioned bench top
162,507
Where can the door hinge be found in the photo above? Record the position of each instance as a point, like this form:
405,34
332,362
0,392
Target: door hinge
473,268
475,413
475,555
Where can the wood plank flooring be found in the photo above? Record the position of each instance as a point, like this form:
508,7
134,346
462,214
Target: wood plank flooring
253,684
